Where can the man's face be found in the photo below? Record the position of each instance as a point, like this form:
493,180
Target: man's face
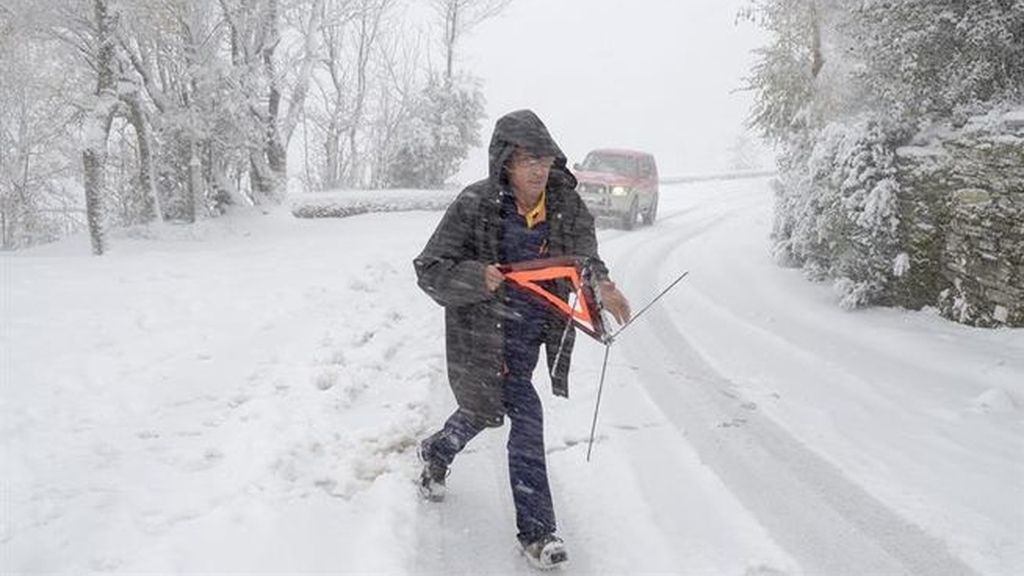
528,174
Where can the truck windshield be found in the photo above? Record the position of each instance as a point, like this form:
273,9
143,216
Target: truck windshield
612,164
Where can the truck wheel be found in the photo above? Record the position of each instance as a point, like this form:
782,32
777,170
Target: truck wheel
629,220
652,213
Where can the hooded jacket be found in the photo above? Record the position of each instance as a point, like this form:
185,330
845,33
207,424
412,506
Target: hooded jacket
451,269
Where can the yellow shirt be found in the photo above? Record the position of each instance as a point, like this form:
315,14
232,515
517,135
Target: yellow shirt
538,213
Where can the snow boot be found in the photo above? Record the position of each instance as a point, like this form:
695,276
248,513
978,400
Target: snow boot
432,479
546,553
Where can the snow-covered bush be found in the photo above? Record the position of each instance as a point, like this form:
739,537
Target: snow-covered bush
836,210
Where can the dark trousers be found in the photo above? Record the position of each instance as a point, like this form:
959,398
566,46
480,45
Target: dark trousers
535,514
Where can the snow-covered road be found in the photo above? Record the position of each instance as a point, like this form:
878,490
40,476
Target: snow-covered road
826,521
245,396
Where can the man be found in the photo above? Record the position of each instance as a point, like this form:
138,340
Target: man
525,210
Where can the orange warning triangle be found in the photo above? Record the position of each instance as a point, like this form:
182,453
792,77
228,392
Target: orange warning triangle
582,308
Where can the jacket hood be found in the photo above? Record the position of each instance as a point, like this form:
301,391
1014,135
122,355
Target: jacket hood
523,129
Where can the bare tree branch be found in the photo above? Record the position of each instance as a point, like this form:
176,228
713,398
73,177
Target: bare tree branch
457,18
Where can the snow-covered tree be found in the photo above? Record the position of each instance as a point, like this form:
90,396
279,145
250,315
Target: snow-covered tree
445,118
400,66
927,60
169,88
384,118
746,153
39,163
98,119
456,18
175,109
355,41
444,125
783,77
841,87
277,93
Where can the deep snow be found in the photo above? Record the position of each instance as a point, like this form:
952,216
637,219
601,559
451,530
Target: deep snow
246,394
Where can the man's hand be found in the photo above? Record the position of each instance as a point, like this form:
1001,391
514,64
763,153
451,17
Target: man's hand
493,277
614,302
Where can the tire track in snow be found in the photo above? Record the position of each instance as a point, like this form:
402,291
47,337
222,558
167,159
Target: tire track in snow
825,521
613,233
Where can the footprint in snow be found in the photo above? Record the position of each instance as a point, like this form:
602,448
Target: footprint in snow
392,350
335,358
210,458
734,423
350,394
325,380
106,564
570,443
238,400
215,421
764,571
364,338
360,285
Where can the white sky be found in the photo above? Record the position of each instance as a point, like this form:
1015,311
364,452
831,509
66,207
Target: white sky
659,75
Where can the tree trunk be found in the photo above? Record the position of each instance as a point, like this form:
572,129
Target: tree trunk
277,159
153,210
93,159
195,181
5,242
451,34
817,59
332,157
369,24
215,175
300,89
97,129
274,153
260,176
353,179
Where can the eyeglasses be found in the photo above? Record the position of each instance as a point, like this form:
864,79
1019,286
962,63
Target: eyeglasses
532,162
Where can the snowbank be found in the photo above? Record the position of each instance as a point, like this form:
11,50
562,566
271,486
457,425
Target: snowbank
344,203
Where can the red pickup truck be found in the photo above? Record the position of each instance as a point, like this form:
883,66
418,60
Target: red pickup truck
619,184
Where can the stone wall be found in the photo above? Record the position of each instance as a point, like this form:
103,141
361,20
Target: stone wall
962,222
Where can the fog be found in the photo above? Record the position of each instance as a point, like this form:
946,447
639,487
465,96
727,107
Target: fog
659,75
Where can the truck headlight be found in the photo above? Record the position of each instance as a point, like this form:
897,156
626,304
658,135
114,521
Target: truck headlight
619,191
